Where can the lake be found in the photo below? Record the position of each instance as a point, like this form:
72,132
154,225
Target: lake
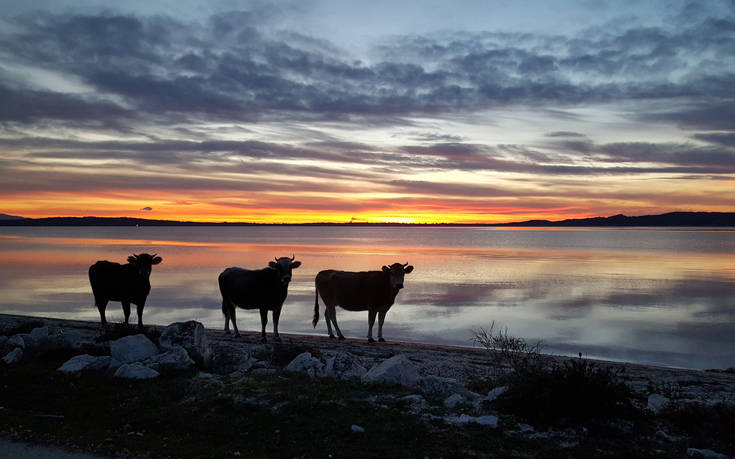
648,295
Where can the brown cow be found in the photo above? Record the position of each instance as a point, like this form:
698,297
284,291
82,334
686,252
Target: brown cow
372,291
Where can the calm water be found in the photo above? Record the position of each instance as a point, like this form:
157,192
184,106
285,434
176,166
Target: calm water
662,296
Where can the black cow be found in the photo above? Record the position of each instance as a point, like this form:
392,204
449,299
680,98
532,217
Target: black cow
264,289
128,283
372,291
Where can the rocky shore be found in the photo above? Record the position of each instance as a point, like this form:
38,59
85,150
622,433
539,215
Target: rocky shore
442,388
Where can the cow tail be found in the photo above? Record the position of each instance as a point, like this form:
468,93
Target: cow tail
315,320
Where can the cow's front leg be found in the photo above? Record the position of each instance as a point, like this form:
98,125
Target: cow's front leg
381,319
371,322
101,306
276,316
140,313
126,311
263,323
333,318
232,318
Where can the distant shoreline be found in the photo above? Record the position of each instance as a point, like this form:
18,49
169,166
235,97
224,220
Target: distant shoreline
671,219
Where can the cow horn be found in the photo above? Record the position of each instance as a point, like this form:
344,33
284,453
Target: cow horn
405,264
293,256
154,255
276,259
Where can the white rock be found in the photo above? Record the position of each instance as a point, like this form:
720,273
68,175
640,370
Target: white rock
13,356
694,452
496,392
39,334
437,386
395,370
135,371
656,402
17,341
487,420
85,362
191,336
344,365
453,400
357,429
132,348
306,363
174,359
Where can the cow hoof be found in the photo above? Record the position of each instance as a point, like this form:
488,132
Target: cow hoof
332,337
227,332
277,339
341,338
236,335
382,340
370,340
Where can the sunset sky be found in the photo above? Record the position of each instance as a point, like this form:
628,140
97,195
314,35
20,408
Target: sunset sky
420,111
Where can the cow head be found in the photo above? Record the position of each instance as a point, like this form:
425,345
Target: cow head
283,267
144,262
395,272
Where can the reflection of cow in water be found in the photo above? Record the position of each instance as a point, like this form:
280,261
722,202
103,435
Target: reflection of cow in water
372,291
263,289
128,283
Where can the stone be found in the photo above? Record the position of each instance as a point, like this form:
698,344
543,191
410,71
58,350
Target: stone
39,334
135,371
132,348
436,386
174,359
357,429
417,402
344,365
191,336
487,420
656,402
395,370
496,392
708,453
453,400
17,341
85,362
306,363
16,355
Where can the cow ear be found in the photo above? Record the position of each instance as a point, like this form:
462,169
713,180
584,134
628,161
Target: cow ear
295,264
132,259
273,265
408,269
386,269
156,260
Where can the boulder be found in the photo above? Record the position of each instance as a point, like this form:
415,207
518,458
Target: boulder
487,420
344,365
135,371
656,402
708,453
191,336
357,429
85,362
174,359
436,386
306,363
39,334
496,392
17,341
395,370
16,355
132,348
453,400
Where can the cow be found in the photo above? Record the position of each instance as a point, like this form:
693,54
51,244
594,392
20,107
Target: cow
371,291
128,283
264,289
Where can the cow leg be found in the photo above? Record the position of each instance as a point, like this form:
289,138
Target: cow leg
126,311
232,318
101,306
371,322
328,318
334,322
276,316
263,323
140,314
226,312
381,319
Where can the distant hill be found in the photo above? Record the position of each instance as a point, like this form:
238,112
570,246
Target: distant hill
672,219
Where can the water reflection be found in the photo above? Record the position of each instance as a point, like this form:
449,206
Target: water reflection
656,296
